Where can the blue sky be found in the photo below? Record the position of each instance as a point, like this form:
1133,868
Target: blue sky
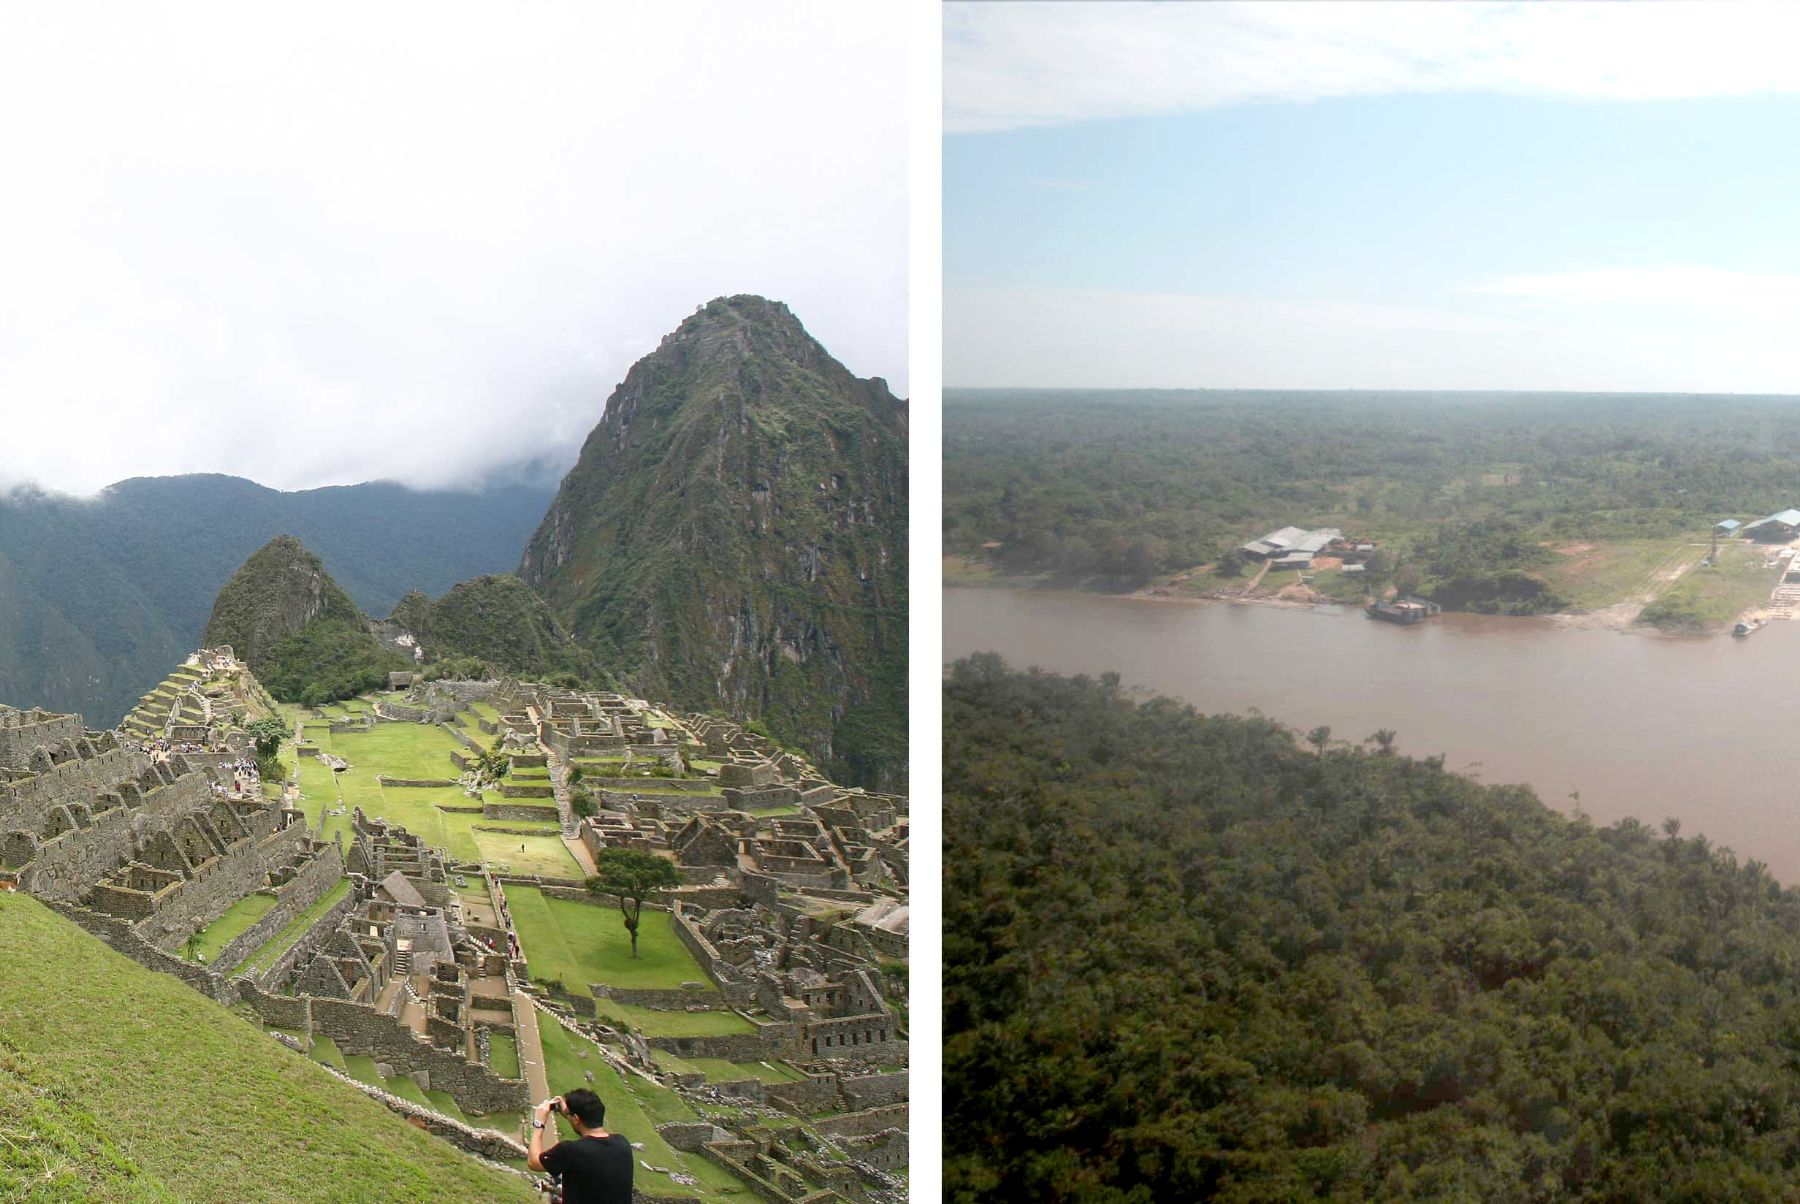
1447,223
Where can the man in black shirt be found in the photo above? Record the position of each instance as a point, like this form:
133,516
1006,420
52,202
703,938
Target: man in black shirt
596,1167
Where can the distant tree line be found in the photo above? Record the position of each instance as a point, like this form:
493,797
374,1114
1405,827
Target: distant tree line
1126,485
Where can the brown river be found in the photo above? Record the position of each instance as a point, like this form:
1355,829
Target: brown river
1638,724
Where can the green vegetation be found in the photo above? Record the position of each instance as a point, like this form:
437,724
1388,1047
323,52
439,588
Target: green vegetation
656,1022
632,876
1187,959
742,481
719,1070
205,944
421,752
634,1107
1710,596
582,943
127,578
271,951
1510,504
492,626
144,1090
503,1055
300,633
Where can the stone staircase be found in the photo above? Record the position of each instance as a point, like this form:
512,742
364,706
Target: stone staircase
1784,603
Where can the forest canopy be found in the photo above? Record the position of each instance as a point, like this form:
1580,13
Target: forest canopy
1196,957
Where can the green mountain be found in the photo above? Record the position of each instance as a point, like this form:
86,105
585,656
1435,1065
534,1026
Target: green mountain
1189,958
496,619
99,596
136,1087
300,633
733,537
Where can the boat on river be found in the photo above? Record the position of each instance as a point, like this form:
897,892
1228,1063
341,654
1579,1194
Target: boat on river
1404,610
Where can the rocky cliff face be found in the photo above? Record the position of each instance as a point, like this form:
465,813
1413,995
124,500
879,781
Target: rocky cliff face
733,537
278,591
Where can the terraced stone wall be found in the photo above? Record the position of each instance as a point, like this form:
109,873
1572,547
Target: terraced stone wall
359,1029
322,872
242,870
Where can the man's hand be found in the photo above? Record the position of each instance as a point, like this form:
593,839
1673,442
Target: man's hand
543,1110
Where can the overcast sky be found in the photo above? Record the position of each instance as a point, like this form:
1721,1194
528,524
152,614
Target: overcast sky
1479,196
326,243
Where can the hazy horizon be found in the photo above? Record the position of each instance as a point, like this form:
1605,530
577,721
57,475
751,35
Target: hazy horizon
1547,198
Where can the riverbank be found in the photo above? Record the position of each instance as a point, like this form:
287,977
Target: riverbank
1651,587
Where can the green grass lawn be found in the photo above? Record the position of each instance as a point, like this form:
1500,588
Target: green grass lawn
634,1109
719,1070
503,1055
143,1090
417,751
260,961
1598,575
1711,598
654,1022
228,927
582,943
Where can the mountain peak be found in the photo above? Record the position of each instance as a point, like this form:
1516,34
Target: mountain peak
278,591
733,536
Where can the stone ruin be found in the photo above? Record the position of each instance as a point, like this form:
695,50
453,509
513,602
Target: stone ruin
795,906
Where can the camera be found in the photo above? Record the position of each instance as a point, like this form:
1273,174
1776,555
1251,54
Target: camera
556,1105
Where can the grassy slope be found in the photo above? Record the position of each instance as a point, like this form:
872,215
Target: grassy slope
144,1090
635,1109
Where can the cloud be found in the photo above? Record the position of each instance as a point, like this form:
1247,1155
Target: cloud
1669,285
329,243
1028,336
1010,65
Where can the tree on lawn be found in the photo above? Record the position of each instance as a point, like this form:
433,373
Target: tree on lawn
633,876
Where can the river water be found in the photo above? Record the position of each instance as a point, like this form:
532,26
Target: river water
1640,725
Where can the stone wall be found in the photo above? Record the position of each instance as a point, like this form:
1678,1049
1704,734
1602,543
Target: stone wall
484,1143
68,865
241,870
447,690
462,737
874,1090
22,802
282,1011
813,1094
886,1150
384,780
118,935
310,942
691,1138
519,810
23,731
321,873
660,999
359,1029
864,1123
774,1042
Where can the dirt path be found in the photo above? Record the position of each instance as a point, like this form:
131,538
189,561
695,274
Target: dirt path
1257,580
531,1047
